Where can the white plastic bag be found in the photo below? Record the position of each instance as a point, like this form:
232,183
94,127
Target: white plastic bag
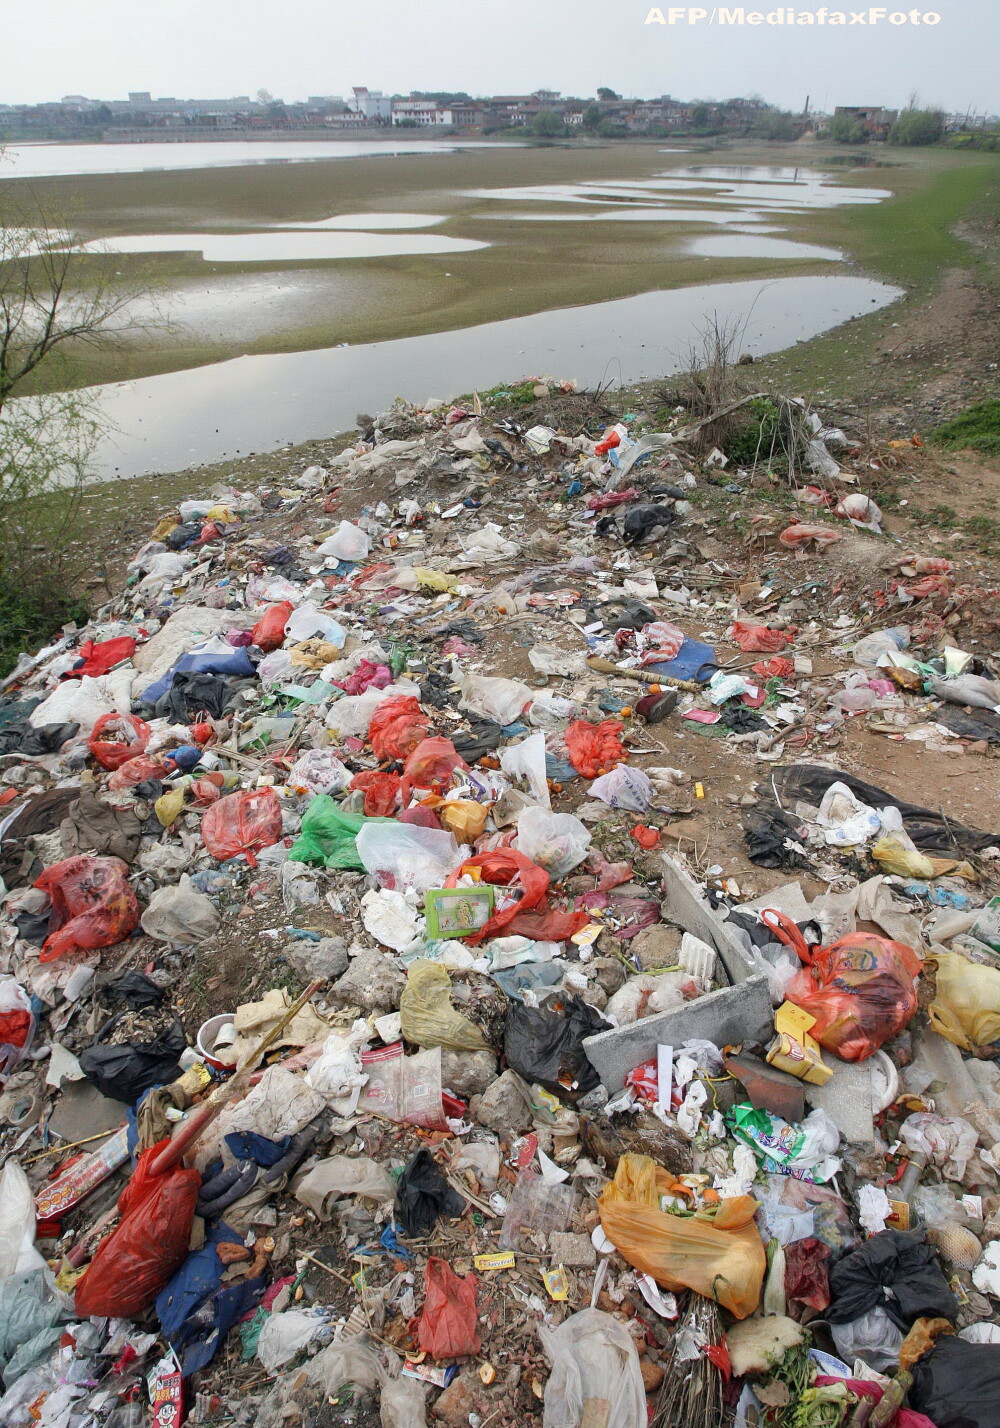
309,621
846,821
551,711
946,1140
17,1223
337,1075
488,544
404,855
557,842
867,651
318,771
391,918
342,1175
525,764
284,1334
348,542
624,787
180,915
593,1356
498,699
276,668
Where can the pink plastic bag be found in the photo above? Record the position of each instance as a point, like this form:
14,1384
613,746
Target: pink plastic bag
802,534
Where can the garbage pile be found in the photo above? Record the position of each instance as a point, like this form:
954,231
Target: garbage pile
377,1045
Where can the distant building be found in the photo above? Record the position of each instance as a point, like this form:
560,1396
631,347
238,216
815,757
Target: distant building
372,104
420,111
876,120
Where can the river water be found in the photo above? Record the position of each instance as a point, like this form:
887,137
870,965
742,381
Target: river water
256,404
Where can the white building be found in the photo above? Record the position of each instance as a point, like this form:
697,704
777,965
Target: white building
420,111
372,103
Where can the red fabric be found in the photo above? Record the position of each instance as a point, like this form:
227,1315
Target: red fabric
447,1327
98,659
92,903
149,1243
14,1028
807,1279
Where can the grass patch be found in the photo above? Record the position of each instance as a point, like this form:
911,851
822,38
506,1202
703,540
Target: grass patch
977,429
30,616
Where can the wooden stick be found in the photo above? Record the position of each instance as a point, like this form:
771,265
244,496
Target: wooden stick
644,676
58,1149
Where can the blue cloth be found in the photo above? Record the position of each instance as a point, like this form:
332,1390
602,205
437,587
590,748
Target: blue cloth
693,661
527,976
196,1311
234,662
248,1145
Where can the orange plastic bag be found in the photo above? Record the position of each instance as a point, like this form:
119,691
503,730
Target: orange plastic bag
397,727
242,823
860,989
504,865
93,903
722,1258
595,749
150,1242
116,738
380,791
447,1328
430,767
269,632
758,639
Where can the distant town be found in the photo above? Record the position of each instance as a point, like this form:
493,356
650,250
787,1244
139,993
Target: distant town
544,114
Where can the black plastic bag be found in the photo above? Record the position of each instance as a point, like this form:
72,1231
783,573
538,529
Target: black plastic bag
547,1046
768,824
422,1195
124,1070
958,1385
896,1272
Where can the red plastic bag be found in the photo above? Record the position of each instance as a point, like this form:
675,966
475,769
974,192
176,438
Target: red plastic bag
92,903
777,668
150,1242
546,926
242,823
758,639
503,866
206,790
136,770
380,790
98,659
397,727
269,632
430,767
116,738
807,1279
646,837
802,534
366,676
422,817
860,989
447,1328
595,748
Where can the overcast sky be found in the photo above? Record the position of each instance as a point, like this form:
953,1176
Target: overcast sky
217,48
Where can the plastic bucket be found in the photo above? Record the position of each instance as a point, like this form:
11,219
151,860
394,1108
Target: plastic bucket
209,1035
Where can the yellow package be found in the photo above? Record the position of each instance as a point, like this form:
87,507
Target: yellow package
169,805
893,856
966,1006
794,1050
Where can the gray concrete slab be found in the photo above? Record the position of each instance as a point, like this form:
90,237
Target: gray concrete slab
741,1013
846,1098
688,908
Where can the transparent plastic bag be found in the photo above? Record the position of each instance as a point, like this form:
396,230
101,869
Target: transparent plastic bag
536,1206
624,788
318,771
524,763
17,1223
309,621
557,842
180,915
404,1088
498,699
593,1357
404,855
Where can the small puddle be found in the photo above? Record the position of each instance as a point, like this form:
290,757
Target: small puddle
368,220
288,246
180,419
631,215
738,245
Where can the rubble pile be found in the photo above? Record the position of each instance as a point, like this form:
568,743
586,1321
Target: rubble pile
382,1041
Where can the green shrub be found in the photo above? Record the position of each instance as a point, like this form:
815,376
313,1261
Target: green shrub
753,440
976,429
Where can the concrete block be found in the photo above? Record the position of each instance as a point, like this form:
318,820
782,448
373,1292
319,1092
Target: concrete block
689,910
741,1013
846,1098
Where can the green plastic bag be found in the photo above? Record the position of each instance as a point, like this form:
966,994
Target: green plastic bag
328,833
